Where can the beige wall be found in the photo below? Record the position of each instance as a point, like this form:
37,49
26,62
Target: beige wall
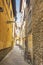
30,45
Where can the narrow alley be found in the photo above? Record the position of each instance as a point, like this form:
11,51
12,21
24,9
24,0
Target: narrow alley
21,32
14,57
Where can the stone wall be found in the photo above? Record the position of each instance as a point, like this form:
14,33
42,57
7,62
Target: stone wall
37,31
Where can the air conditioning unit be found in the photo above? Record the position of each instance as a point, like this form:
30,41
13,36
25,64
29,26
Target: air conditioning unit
1,9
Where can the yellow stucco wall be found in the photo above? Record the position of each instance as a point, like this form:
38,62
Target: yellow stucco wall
5,29
30,45
30,41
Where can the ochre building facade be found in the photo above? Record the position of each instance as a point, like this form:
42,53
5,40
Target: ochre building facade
6,27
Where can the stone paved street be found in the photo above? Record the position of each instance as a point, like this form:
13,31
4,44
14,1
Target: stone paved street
14,58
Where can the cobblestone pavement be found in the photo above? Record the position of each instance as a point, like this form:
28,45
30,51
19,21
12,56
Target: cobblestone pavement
14,58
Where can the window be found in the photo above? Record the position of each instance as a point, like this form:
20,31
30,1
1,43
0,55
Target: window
1,9
30,14
11,13
8,2
27,2
3,2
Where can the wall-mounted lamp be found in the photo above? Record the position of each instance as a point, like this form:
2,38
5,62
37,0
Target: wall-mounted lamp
9,22
1,9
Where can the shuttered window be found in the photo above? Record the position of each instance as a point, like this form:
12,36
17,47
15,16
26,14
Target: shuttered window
8,2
